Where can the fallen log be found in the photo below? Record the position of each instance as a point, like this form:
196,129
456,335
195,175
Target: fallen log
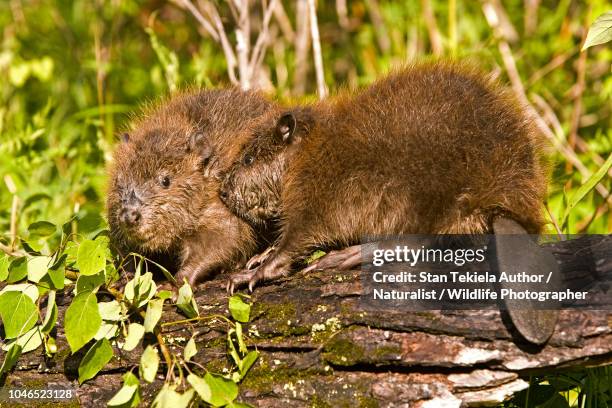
319,347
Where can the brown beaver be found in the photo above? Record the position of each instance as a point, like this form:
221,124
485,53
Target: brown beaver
435,148
165,177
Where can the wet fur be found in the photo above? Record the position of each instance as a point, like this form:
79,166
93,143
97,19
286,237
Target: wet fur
433,148
192,138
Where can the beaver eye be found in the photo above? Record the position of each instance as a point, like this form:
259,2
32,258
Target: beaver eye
248,160
165,181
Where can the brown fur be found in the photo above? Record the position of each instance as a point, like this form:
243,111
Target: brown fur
434,148
191,139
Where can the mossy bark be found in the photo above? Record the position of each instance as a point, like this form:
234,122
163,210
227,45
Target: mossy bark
319,348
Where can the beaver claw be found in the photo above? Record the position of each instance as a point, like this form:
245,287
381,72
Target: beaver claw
241,278
259,258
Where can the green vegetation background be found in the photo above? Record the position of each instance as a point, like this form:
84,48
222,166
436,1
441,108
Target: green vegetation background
71,73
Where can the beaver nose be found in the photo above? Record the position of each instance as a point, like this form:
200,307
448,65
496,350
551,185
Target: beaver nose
130,216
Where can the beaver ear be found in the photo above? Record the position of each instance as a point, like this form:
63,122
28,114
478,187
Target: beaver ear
199,143
206,153
285,128
125,137
196,141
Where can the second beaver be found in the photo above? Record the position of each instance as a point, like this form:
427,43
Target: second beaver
164,181
436,148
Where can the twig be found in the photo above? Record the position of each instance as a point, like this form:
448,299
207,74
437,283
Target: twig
243,31
100,73
225,44
550,115
216,31
283,21
582,226
578,91
531,16
382,37
435,38
302,43
262,39
12,252
498,19
280,66
519,90
556,62
10,185
554,221
198,16
162,344
342,11
164,349
316,50
233,6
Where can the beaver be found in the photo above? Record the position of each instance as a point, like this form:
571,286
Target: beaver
165,177
434,148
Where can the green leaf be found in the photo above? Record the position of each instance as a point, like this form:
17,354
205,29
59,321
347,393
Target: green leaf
19,73
90,223
107,331
50,315
56,274
239,309
232,349
29,289
190,349
28,341
165,272
129,394
110,311
38,267
42,68
149,362
96,358
50,346
153,314
4,267
600,32
10,359
214,389
135,333
168,60
247,362
168,397
241,345
41,229
314,256
140,289
71,251
18,269
585,188
82,320
164,294
91,257
89,283
201,387
18,312
186,302
124,397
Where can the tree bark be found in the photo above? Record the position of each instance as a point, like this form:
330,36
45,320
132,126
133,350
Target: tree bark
318,346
